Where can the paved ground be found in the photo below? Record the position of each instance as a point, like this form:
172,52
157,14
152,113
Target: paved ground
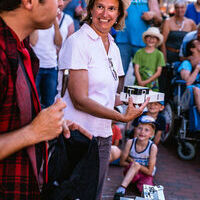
181,179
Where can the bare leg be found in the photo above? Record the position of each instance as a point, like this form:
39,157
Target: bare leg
133,170
197,97
115,153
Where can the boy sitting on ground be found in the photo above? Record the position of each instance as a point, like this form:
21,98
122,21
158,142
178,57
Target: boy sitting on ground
139,157
154,109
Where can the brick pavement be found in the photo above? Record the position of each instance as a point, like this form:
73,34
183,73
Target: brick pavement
181,179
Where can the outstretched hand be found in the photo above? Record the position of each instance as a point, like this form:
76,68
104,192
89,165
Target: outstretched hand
132,112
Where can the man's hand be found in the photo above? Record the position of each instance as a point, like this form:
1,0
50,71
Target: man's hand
49,122
69,125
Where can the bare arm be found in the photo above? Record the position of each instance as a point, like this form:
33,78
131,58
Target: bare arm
34,38
194,27
78,91
190,77
154,13
157,137
137,73
152,78
121,84
125,154
57,36
152,161
47,125
166,30
70,29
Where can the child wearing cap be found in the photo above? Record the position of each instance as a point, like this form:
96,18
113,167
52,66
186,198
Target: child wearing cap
154,110
139,157
149,61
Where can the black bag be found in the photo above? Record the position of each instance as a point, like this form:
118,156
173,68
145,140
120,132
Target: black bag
73,168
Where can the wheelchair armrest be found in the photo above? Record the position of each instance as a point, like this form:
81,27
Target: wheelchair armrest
181,82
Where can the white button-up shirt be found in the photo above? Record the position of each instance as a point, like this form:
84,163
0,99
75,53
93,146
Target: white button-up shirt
85,50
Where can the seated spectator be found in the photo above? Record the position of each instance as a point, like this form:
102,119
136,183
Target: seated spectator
154,110
139,157
191,74
188,37
149,60
174,30
193,11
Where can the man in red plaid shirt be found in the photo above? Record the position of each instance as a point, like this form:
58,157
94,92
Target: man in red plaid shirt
23,127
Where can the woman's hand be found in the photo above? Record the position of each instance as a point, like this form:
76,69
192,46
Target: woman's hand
132,112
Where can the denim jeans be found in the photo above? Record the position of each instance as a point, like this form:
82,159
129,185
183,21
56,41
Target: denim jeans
46,83
127,52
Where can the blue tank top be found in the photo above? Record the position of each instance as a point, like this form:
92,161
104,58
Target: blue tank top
134,24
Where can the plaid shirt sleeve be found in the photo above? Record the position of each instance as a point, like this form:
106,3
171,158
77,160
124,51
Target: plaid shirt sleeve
3,78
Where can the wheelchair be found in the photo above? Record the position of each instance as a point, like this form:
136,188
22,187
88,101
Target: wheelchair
182,123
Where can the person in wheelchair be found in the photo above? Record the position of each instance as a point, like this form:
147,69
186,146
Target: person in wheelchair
191,74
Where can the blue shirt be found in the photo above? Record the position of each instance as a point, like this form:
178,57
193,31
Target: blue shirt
186,65
134,24
70,10
192,13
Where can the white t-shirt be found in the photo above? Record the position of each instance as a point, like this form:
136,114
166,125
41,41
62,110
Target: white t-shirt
67,21
85,50
45,48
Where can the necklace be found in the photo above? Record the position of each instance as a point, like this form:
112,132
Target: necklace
180,24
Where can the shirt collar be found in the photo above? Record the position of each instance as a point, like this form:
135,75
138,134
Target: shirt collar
90,31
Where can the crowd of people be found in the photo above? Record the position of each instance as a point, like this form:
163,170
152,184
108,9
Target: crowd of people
91,43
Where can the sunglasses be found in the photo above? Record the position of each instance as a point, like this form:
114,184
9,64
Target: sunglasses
114,73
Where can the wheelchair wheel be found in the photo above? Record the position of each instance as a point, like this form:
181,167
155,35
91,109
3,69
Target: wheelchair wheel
186,150
168,113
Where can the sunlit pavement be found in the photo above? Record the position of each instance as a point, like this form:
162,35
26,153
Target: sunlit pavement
181,179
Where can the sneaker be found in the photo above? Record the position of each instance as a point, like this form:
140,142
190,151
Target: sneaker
118,195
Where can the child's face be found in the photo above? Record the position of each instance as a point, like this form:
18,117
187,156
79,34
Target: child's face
145,131
151,41
154,107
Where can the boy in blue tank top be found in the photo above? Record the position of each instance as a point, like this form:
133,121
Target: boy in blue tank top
139,157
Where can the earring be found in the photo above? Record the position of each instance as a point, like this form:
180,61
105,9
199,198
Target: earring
116,22
91,17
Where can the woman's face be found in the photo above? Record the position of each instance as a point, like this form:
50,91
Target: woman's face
196,48
104,15
180,10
